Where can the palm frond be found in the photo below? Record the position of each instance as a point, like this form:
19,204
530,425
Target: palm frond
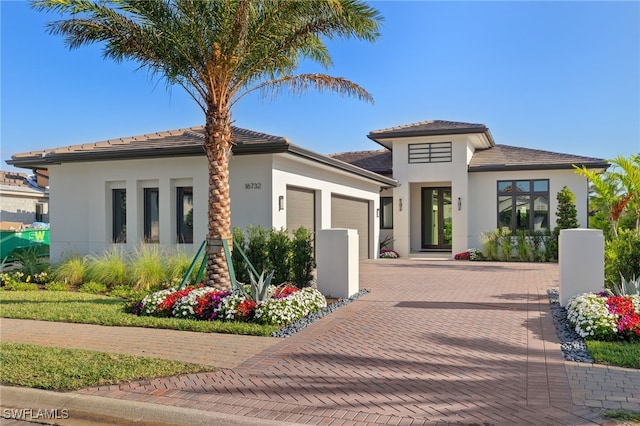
303,83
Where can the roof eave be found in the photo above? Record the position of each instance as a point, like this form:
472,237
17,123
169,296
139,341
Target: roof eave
380,137
294,149
514,167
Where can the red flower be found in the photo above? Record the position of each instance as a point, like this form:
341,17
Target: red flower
628,319
282,292
246,310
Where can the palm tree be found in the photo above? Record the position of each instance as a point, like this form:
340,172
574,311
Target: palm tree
219,51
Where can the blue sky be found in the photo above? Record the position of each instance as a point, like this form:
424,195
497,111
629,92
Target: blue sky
557,76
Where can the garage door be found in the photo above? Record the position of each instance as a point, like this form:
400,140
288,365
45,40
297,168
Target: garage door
301,209
354,214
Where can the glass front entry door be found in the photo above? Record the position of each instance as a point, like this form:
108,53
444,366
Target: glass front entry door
436,219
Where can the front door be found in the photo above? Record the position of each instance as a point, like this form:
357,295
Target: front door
436,218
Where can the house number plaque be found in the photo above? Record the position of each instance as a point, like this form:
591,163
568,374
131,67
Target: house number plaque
253,185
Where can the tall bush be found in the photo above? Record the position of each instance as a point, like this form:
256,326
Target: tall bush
566,218
291,258
278,255
622,256
566,213
257,247
302,261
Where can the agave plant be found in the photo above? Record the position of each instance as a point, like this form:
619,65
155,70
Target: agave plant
627,288
258,290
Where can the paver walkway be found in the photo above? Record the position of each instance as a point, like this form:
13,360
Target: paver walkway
434,342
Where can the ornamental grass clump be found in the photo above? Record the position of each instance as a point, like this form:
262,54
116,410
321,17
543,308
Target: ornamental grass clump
286,304
600,316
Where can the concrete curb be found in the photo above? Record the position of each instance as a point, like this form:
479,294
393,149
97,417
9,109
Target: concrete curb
71,409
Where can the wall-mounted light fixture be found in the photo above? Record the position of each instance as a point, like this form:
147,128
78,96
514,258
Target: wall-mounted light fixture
459,203
400,204
281,202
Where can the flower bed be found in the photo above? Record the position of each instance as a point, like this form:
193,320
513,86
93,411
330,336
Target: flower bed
286,305
601,316
388,254
471,254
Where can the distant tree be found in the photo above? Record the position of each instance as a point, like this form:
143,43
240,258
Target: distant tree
567,215
219,51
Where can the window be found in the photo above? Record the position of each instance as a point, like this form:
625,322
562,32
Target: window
386,212
439,152
39,212
523,205
119,215
151,215
185,214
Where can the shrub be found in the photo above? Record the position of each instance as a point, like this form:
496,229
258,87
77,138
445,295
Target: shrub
302,261
57,286
506,244
622,257
148,267
278,255
177,265
523,247
257,247
71,271
20,286
110,268
93,287
566,213
31,261
490,244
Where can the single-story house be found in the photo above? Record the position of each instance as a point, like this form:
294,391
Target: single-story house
456,183
435,186
25,198
153,188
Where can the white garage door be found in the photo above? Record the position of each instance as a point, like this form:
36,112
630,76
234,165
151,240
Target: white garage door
301,209
354,214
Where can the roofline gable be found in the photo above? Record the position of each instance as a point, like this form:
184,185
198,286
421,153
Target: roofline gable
248,142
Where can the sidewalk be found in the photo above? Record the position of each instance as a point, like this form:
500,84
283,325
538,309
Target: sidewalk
434,342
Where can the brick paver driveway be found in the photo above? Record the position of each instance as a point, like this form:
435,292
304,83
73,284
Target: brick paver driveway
434,341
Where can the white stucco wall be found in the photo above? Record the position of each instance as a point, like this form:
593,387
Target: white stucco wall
407,222
80,201
81,197
325,181
483,198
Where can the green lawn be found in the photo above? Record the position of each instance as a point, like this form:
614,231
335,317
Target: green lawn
63,306
71,369
621,354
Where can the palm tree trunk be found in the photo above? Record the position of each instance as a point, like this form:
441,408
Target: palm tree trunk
218,140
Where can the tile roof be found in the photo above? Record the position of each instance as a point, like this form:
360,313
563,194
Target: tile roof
19,182
505,157
429,127
187,141
496,158
13,179
376,161
183,142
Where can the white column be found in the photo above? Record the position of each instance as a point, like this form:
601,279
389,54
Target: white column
337,261
581,259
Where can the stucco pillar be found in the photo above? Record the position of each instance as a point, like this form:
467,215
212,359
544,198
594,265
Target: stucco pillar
581,259
338,267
